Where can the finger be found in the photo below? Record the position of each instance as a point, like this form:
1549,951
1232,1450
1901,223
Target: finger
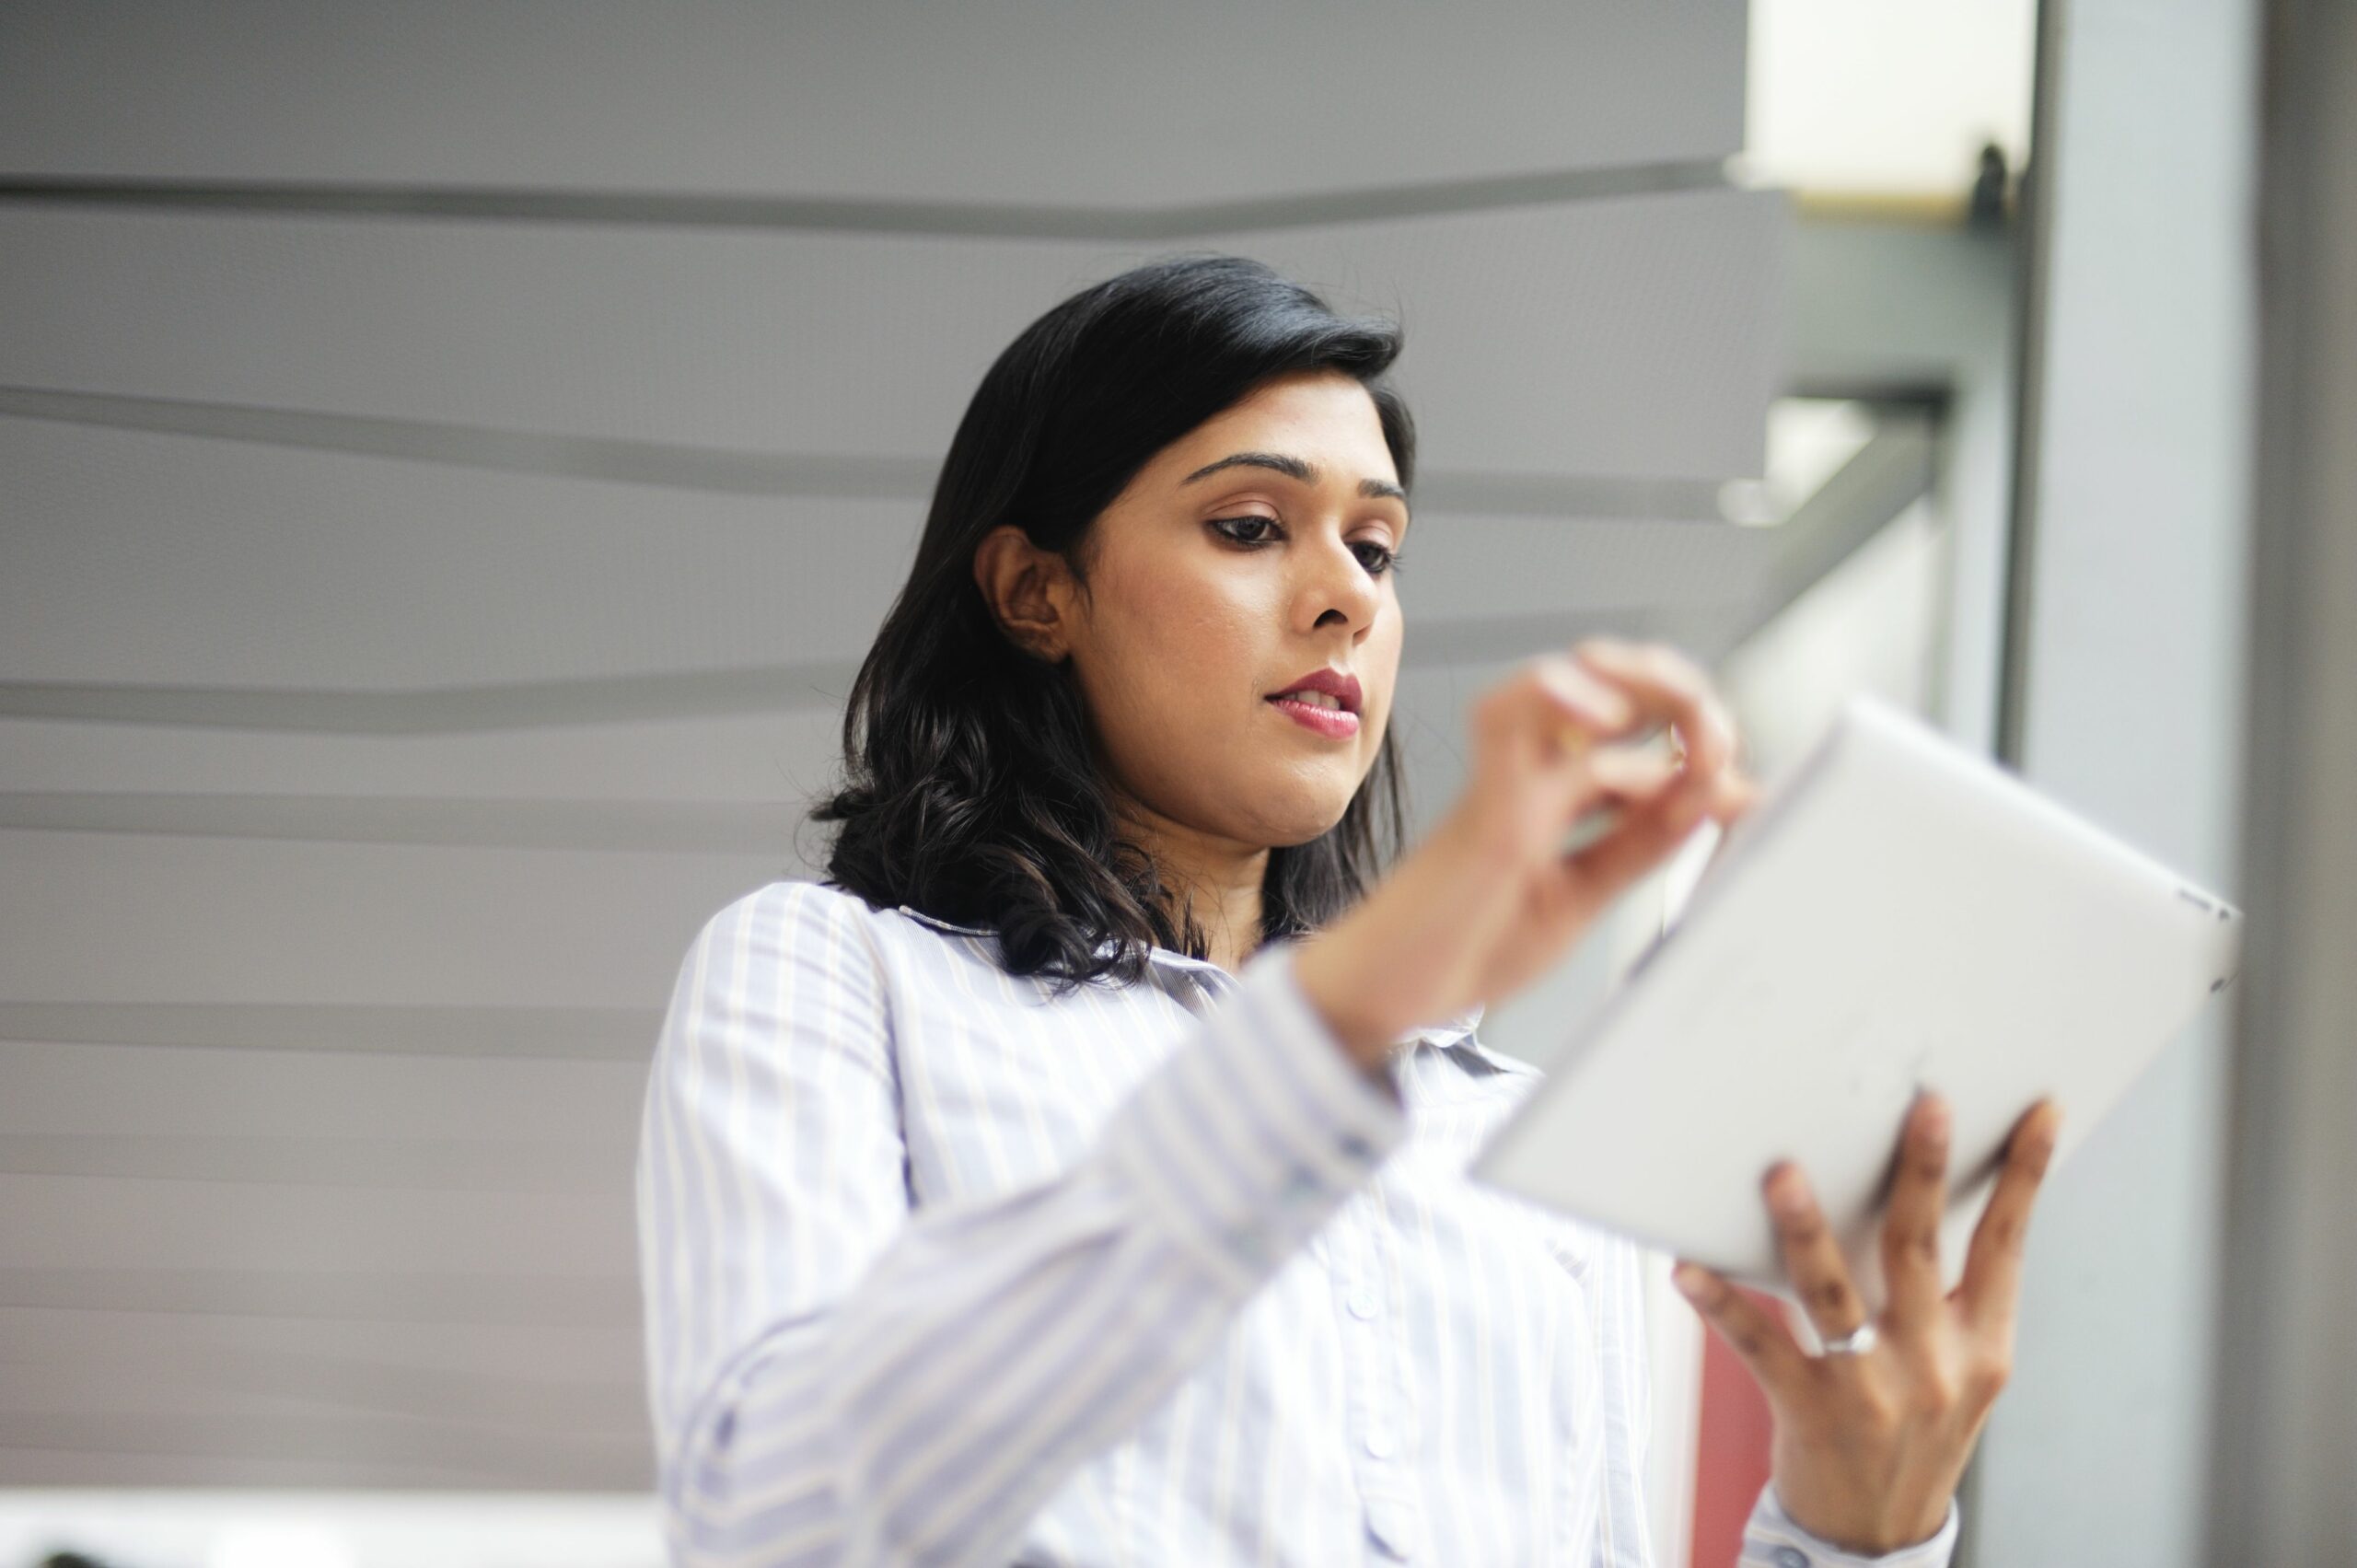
1647,833
1641,837
1700,730
1910,1231
1575,697
1663,682
1629,774
1812,1259
1734,793
1993,1264
1758,1335
1552,702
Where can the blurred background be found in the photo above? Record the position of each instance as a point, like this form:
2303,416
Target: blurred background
454,456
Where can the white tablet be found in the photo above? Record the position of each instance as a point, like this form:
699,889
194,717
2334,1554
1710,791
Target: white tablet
1894,911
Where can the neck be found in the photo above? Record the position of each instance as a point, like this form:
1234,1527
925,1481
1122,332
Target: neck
1217,880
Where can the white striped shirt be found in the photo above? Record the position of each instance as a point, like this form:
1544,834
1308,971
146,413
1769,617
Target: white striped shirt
941,1270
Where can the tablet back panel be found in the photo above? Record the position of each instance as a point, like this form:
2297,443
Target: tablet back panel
1895,912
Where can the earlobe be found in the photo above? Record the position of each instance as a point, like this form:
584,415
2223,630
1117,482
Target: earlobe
1037,639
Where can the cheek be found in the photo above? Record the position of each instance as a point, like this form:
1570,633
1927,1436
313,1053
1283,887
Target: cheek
1192,648
1381,655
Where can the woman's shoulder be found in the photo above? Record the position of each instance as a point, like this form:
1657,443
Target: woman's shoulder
792,965
788,913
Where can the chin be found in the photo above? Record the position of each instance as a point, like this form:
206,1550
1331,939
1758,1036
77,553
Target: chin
1301,827
1293,805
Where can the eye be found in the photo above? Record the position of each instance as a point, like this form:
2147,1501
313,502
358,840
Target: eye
1382,558
1251,520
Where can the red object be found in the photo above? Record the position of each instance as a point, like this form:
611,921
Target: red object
1341,685
1333,723
1730,1463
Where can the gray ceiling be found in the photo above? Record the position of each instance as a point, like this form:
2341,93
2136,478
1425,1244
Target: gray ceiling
454,460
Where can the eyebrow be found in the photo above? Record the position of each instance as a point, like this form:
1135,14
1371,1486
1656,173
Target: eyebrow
1293,468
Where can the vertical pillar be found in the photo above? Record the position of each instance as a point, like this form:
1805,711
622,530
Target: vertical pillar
2124,697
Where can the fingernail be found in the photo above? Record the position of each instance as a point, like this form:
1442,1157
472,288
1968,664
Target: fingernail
1687,1279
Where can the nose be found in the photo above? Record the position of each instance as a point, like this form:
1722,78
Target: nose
1336,585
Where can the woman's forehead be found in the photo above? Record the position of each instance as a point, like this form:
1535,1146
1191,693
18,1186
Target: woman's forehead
1326,425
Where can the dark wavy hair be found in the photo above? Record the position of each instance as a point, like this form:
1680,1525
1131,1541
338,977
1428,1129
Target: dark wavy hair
969,790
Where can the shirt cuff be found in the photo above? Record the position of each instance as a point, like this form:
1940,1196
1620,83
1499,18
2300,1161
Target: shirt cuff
1771,1540
1257,1127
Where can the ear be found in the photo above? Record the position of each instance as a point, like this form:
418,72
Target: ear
1027,590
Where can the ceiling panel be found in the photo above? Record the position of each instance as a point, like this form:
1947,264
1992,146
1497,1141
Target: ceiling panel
1051,103
66,1221
146,1378
138,1462
1546,339
464,1301
146,558
145,918
557,1354
753,757
69,1089
298,1157
313,1447
366,1363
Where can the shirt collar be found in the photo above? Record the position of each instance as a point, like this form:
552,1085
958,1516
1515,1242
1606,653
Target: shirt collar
1456,1029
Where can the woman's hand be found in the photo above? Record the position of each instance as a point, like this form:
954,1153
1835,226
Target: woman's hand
1869,1445
1488,900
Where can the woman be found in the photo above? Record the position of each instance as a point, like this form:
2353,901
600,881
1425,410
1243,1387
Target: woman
1075,1175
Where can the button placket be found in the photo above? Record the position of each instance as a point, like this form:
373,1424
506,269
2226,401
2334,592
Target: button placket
1377,1415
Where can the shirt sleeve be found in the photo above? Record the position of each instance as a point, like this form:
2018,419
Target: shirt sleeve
1773,1540
837,1378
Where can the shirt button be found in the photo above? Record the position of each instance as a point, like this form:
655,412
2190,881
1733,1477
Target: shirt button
1379,1443
1362,1303
1790,1557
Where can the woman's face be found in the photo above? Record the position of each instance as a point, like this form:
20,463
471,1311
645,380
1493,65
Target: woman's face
1250,553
